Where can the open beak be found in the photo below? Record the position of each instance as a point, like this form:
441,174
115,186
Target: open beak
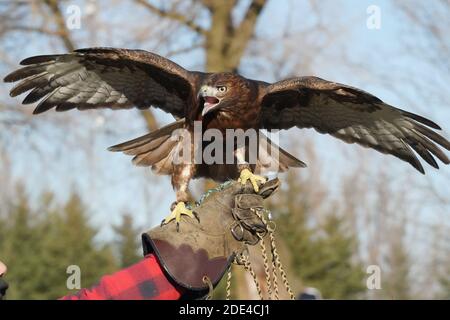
210,101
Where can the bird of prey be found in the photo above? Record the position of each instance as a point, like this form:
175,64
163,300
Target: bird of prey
121,78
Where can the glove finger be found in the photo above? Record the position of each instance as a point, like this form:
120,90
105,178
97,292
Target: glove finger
268,188
250,238
247,201
249,220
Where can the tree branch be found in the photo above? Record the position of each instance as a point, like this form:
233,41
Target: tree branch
32,29
63,32
243,33
173,16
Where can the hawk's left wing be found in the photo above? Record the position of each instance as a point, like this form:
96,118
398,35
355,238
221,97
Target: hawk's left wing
351,115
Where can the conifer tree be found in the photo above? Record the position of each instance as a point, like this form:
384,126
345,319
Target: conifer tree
38,245
127,242
321,247
396,279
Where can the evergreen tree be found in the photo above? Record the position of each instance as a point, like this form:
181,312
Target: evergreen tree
127,243
38,246
19,247
322,254
396,280
444,282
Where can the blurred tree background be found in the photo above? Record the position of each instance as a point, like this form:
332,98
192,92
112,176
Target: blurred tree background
64,200
41,243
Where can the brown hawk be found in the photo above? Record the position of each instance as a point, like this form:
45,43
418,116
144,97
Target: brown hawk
121,78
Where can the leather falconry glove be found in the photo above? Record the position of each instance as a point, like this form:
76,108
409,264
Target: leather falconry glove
199,254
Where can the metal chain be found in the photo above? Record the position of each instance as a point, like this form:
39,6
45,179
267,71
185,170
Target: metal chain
274,266
248,267
282,272
266,266
208,282
220,187
228,288
276,262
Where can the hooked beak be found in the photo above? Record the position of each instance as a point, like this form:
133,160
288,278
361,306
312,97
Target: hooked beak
208,95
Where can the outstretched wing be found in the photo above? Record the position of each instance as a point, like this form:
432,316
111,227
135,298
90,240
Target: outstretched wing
105,78
351,115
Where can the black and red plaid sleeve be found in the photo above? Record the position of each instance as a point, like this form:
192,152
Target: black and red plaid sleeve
144,280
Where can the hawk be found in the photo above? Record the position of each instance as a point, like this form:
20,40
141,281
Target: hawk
120,78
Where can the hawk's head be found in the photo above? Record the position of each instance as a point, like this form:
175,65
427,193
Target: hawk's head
222,91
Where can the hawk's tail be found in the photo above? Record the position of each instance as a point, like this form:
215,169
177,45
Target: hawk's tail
272,158
156,149
153,149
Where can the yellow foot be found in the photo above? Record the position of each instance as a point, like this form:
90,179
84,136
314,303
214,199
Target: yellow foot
176,214
254,179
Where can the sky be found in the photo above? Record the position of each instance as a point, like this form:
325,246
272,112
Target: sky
125,188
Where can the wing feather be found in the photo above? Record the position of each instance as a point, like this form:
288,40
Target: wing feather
105,78
353,116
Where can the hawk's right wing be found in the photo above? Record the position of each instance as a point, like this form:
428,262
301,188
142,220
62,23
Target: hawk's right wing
105,78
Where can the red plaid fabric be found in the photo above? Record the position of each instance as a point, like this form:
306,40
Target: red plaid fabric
144,280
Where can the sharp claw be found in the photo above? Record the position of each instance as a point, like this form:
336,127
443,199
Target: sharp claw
247,175
196,216
178,210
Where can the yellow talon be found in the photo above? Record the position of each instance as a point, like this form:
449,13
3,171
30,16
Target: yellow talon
246,175
179,210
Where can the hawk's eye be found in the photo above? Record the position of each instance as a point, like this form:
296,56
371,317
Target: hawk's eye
222,89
